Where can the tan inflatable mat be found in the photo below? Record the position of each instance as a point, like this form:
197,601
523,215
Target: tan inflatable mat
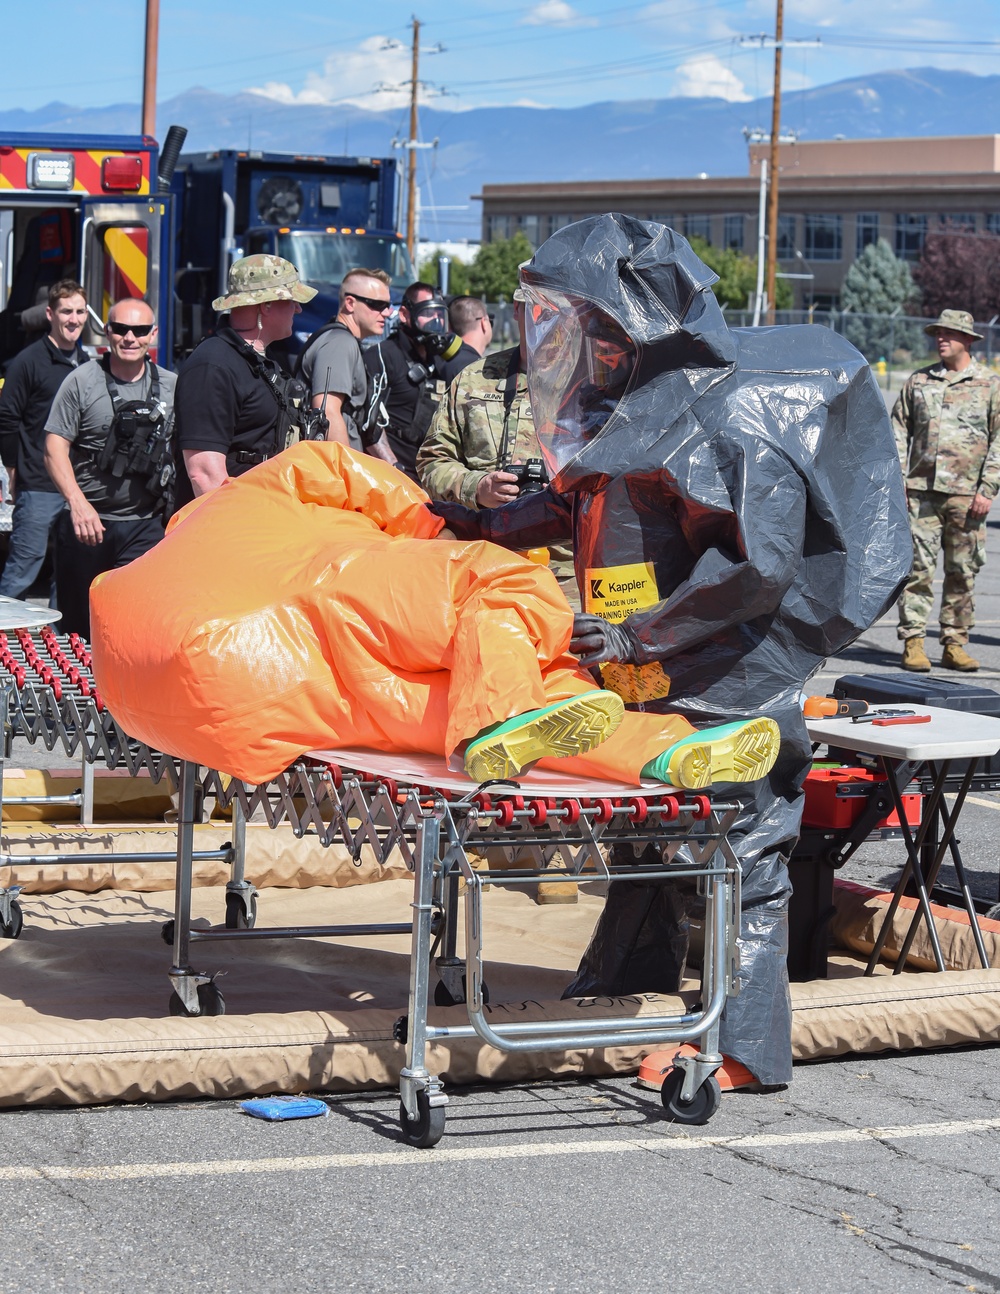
83,1007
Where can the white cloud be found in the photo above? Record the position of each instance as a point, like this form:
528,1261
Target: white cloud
556,13
708,77
373,76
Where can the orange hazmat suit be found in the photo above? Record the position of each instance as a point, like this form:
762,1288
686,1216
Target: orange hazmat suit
303,605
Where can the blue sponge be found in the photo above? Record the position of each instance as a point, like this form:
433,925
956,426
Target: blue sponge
285,1107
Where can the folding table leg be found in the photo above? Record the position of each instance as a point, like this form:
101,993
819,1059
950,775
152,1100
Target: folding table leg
897,777
946,842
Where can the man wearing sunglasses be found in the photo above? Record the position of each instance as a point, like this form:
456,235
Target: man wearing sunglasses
33,378
411,370
331,359
107,441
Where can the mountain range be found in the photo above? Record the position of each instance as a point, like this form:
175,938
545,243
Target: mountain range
598,141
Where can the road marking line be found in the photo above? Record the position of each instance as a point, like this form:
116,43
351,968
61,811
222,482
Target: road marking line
986,804
462,1154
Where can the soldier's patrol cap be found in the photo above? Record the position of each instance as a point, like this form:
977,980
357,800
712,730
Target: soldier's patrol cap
256,279
957,321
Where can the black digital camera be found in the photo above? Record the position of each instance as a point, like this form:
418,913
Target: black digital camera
531,476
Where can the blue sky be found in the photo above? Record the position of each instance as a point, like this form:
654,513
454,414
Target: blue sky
553,53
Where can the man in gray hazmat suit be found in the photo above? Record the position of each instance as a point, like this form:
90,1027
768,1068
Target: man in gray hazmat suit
737,514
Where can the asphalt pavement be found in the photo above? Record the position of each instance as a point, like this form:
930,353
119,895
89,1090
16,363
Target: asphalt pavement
867,1173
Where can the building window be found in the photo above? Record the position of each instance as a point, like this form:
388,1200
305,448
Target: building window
961,222
993,222
824,238
698,227
531,228
732,236
867,230
910,234
497,227
786,238
560,222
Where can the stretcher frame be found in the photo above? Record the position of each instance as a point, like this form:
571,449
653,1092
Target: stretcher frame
436,830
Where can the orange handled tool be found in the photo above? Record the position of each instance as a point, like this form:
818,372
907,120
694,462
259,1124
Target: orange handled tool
832,707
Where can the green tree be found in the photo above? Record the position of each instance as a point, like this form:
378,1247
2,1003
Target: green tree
458,273
876,285
493,274
737,277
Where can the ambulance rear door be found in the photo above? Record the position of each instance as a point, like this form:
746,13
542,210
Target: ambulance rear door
125,252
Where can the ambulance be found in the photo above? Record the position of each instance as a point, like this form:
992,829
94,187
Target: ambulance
98,210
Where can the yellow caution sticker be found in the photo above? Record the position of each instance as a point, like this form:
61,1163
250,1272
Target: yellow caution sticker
614,593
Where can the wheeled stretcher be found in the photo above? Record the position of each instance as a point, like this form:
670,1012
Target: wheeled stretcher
439,821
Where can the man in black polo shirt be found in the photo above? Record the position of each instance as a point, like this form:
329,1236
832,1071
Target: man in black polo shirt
33,378
107,448
229,393
411,371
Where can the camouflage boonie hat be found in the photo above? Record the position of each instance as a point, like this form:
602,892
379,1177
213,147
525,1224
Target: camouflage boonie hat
256,279
957,321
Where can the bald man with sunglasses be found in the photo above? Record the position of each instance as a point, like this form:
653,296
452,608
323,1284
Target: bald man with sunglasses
105,422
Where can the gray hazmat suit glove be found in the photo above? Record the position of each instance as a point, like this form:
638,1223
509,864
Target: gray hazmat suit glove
596,641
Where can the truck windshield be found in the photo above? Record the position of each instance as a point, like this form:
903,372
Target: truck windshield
326,257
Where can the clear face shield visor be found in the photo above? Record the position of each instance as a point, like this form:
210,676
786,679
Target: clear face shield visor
580,362
430,316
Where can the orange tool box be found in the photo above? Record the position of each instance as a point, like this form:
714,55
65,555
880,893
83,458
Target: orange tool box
836,797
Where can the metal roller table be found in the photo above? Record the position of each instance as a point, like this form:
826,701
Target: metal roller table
436,817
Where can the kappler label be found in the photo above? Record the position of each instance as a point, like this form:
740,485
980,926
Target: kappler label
615,593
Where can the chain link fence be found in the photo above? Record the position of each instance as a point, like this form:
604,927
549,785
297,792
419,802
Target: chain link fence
887,341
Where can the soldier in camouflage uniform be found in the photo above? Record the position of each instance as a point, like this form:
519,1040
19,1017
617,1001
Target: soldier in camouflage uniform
459,461
947,420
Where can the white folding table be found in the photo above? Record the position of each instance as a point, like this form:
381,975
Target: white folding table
902,750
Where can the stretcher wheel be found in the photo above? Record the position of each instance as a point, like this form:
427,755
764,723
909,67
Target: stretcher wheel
428,1127
240,915
12,928
210,1000
167,933
706,1101
444,997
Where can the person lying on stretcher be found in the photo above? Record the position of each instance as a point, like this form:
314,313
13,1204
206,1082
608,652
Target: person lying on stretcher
300,606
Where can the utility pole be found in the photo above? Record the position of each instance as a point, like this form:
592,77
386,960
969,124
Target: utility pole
411,196
772,197
761,242
149,68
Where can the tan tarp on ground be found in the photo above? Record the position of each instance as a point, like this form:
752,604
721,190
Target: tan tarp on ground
83,998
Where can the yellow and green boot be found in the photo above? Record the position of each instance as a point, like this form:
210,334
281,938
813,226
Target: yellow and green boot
732,752
570,727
